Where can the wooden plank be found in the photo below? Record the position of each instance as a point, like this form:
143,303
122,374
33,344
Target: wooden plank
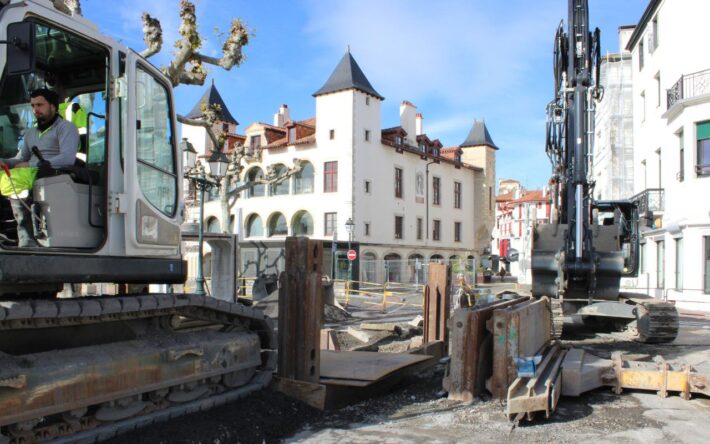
312,394
301,310
364,366
436,303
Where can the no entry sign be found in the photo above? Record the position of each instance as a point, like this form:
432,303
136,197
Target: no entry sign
352,255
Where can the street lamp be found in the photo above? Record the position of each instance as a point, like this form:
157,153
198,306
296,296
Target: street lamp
195,173
350,228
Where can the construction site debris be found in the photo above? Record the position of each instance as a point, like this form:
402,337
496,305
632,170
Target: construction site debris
582,371
382,326
539,392
417,321
471,350
436,303
329,340
358,334
300,309
518,330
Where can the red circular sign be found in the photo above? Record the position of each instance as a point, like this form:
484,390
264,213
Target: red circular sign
352,255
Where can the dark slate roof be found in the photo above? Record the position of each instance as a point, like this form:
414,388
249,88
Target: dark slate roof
478,135
347,75
212,97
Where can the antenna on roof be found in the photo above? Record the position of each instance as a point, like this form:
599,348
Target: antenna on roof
348,47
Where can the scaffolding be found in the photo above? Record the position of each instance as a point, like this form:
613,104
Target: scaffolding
614,151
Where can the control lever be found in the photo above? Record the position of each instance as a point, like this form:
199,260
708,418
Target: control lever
44,167
37,153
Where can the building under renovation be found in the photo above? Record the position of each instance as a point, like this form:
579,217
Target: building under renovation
613,143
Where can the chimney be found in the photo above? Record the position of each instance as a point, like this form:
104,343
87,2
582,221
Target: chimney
281,117
420,124
407,120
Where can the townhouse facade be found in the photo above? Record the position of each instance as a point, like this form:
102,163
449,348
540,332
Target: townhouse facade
407,199
517,212
671,97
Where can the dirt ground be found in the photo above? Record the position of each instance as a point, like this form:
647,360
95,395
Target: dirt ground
416,412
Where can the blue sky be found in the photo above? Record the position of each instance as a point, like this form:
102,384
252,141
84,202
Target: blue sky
455,60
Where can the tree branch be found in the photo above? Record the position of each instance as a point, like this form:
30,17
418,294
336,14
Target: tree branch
152,35
187,47
70,7
203,123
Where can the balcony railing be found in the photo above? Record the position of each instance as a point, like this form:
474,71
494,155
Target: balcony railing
650,199
688,86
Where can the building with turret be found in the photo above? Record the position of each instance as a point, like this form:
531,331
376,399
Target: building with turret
410,199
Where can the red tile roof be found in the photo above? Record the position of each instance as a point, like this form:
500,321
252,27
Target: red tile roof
532,196
507,197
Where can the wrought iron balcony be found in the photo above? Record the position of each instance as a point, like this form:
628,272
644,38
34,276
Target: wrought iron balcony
650,199
688,86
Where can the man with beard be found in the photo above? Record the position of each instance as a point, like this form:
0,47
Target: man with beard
57,140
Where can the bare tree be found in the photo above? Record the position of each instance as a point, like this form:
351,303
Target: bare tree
187,67
70,7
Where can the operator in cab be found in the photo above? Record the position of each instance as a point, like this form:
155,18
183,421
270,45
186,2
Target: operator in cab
57,140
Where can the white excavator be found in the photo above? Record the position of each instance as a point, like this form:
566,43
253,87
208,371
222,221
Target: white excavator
87,368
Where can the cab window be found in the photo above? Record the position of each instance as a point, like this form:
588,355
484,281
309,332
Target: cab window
154,145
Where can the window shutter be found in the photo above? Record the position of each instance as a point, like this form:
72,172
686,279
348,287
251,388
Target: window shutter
703,130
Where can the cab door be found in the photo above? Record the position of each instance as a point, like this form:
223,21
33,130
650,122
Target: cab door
152,182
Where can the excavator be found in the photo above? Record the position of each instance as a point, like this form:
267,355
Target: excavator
85,368
580,257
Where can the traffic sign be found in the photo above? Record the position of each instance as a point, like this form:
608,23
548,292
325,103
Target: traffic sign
352,255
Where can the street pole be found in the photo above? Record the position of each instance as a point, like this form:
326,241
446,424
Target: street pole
200,279
350,263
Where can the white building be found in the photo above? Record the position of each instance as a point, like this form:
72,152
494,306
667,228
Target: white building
411,200
671,90
613,142
517,212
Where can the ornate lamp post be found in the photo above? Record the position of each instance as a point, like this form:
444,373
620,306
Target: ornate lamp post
195,173
350,228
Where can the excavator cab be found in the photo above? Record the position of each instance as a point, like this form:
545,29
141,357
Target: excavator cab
115,215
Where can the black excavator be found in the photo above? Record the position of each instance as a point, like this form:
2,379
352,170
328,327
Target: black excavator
580,257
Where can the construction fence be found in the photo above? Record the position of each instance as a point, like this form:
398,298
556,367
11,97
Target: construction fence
383,285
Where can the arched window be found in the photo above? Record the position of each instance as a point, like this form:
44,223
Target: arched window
255,190
368,267
303,180
437,258
456,264
277,225
416,267
278,189
302,224
255,228
213,225
393,267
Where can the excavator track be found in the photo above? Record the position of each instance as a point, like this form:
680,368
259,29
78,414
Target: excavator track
657,322
98,367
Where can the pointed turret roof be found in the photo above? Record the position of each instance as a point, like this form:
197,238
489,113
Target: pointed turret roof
212,97
478,136
347,75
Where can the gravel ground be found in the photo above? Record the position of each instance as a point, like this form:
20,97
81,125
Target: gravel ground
415,412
